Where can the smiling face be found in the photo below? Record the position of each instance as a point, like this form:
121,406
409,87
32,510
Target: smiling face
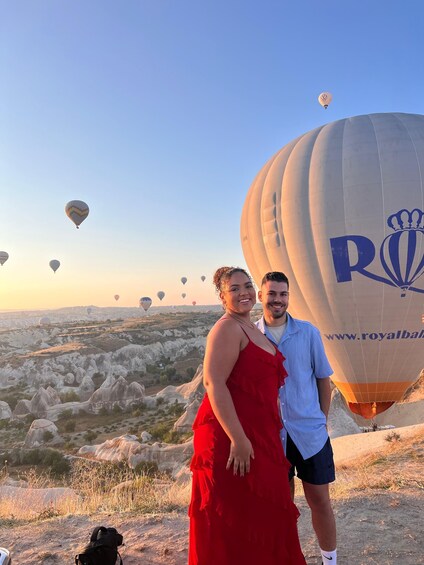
274,296
238,294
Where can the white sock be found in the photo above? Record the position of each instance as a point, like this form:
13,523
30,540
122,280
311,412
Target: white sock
329,557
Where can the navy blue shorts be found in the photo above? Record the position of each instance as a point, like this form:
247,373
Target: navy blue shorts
317,470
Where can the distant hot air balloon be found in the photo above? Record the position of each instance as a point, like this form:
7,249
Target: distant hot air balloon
325,99
340,211
145,303
4,256
183,295
77,211
160,295
44,321
54,265
116,296
89,310
194,303
203,278
183,280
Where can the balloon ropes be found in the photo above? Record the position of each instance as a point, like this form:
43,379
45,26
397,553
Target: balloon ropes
340,211
325,99
145,303
160,295
3,257
54,265
77,211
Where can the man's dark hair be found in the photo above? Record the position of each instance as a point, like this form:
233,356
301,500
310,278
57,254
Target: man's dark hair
276,276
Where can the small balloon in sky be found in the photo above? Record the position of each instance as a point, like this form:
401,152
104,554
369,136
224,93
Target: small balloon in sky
116,297
89,310
194,303
183,295
203,278
183,280
77,211
3,257
160,295
54,265
325,99
145,303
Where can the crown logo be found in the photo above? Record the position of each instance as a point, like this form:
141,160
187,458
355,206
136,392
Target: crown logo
407,220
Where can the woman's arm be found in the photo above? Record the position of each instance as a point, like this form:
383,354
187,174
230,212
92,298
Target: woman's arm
222,351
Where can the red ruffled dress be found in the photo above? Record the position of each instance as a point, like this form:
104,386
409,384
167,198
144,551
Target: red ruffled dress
248,520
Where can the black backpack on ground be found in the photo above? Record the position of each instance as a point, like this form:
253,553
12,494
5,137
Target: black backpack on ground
102,549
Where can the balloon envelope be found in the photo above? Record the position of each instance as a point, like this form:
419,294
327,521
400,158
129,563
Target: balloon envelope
160,295
54,265
4,256
325,99
116,297
340,211
44,321
77,211
145,303
183,280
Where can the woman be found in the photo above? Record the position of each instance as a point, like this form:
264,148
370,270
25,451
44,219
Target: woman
241,511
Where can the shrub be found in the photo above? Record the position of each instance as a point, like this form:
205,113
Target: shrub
90,436
47,436
149,468
392,437
70,396
70,426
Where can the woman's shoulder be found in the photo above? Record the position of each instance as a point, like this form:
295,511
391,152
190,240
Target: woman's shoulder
225,329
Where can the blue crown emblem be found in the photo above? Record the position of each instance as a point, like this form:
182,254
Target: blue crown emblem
407,220
402,252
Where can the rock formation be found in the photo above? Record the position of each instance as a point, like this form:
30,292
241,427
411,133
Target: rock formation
340,420
121,394
42,432
127,448
5,411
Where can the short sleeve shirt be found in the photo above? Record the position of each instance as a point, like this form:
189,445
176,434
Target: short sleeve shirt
305,361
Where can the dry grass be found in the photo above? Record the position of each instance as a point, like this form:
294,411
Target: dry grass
397,467
99,488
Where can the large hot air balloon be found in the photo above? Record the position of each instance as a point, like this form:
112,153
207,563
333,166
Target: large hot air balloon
160,295
116,296
4,256
145,303
203,278
325,99
183,280
340,211
54,265
77,211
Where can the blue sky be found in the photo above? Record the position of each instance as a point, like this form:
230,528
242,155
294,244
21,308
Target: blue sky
159,114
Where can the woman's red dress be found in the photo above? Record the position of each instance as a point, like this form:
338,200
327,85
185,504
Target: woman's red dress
248,520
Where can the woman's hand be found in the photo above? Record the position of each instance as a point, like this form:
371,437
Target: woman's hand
240,454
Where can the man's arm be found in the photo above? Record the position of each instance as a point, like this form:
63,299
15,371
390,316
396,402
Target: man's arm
324,393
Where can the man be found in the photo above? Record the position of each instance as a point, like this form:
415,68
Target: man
304,402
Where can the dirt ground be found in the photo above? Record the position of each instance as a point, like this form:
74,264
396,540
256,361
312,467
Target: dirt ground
378,500
382,529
